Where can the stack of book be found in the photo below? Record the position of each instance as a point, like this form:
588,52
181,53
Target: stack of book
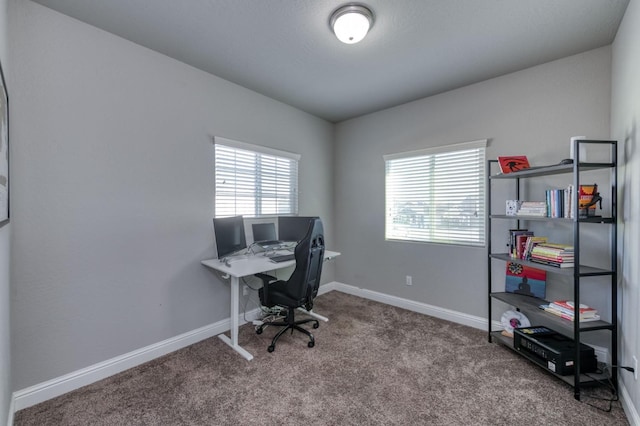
566,309
530,244
558,255
532,208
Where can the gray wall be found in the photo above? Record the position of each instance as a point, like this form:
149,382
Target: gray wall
5,235
532,112
113,184
625,119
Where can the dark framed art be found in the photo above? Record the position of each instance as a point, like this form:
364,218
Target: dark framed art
4,151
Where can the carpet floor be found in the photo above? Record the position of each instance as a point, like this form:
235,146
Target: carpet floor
373,364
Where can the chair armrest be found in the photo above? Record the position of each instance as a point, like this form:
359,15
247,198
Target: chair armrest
266,279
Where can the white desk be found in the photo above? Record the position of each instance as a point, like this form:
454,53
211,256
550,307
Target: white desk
244,267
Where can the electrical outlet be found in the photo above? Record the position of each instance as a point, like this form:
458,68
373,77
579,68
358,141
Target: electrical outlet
245,290
409,280
635,367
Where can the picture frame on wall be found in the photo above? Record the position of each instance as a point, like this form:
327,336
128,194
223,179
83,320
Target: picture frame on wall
4,151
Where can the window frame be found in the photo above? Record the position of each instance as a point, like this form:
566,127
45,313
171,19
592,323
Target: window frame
478,237
262,153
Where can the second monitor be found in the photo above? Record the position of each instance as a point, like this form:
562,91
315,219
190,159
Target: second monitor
264,234
293,228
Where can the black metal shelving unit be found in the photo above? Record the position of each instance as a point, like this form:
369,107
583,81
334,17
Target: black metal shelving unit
530,305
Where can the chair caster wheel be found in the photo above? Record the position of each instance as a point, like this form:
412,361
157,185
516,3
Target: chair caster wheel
271,348
311,344
259,330
316,325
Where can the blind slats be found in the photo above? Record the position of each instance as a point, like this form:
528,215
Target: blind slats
436,197
254,183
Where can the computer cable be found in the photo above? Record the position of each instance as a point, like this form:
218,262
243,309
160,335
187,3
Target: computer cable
250,248
608,384
245,282
609,401
624,367
249,298
267,314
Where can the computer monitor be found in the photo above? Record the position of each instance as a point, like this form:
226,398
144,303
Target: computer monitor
264,232
229,235
293,228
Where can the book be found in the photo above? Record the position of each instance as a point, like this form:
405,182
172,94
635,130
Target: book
513,163
557,246
555,202
557,255
552,263
532,241
525,280
552,250
570,315
569,306
513,242
532,208
558,259
569,208
566,316
521,242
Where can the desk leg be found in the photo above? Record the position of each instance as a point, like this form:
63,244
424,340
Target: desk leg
233,341
314,315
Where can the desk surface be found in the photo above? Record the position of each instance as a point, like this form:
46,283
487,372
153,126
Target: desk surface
251,264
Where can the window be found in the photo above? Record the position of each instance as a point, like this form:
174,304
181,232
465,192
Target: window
252,180
437,195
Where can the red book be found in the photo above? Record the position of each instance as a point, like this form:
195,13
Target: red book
513,163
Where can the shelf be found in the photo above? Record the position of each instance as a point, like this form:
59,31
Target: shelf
552,170
594,378
554,219
530,306
584,271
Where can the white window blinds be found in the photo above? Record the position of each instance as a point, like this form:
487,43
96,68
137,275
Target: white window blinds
252,180
437,195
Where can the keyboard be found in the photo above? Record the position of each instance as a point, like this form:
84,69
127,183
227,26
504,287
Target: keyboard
282,257
268,243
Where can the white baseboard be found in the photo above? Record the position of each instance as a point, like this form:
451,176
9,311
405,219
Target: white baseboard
11,411
423,308
438,312
43,391
60,385
627,404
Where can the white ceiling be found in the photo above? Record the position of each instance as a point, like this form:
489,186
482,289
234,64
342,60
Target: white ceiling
284,49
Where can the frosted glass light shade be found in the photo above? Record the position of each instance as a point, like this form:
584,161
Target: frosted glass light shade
351,23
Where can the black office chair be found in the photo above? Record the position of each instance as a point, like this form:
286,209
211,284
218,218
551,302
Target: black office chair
301,288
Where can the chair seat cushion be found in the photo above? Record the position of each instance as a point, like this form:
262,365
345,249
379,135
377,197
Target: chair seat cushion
278,295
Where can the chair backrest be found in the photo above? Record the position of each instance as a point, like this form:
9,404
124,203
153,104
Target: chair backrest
309,253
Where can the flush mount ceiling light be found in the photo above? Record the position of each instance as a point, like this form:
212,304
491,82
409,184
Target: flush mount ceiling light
351,22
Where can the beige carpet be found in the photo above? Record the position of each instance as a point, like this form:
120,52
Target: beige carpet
372,365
